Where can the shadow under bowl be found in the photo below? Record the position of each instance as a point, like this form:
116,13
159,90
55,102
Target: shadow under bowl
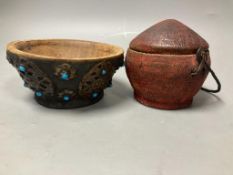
65,73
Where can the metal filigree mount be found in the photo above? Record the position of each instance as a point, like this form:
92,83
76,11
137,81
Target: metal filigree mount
65,72
33,77
98,78
67,95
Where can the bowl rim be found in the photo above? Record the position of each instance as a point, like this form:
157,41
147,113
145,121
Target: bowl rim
12,48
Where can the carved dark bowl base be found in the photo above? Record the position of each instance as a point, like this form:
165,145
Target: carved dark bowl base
50,102
159,105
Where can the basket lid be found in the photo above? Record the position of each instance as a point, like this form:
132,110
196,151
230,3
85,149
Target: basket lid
169,36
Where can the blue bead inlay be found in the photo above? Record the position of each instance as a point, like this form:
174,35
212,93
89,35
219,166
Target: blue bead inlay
103,72
66,98
39,94
64,76
95,94
22,69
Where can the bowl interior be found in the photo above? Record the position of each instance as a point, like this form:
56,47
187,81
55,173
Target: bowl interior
65,49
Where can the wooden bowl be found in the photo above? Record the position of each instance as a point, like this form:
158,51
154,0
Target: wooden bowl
65,73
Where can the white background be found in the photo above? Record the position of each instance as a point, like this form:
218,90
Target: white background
116,136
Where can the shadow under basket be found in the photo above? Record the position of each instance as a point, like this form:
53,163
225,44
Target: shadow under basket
65,73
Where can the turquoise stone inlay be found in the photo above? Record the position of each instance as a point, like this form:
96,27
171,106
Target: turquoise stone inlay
95,94
66,98
22,69
103,72
65,76
39,94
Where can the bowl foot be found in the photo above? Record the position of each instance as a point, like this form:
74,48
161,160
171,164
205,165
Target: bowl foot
159,105
50,102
